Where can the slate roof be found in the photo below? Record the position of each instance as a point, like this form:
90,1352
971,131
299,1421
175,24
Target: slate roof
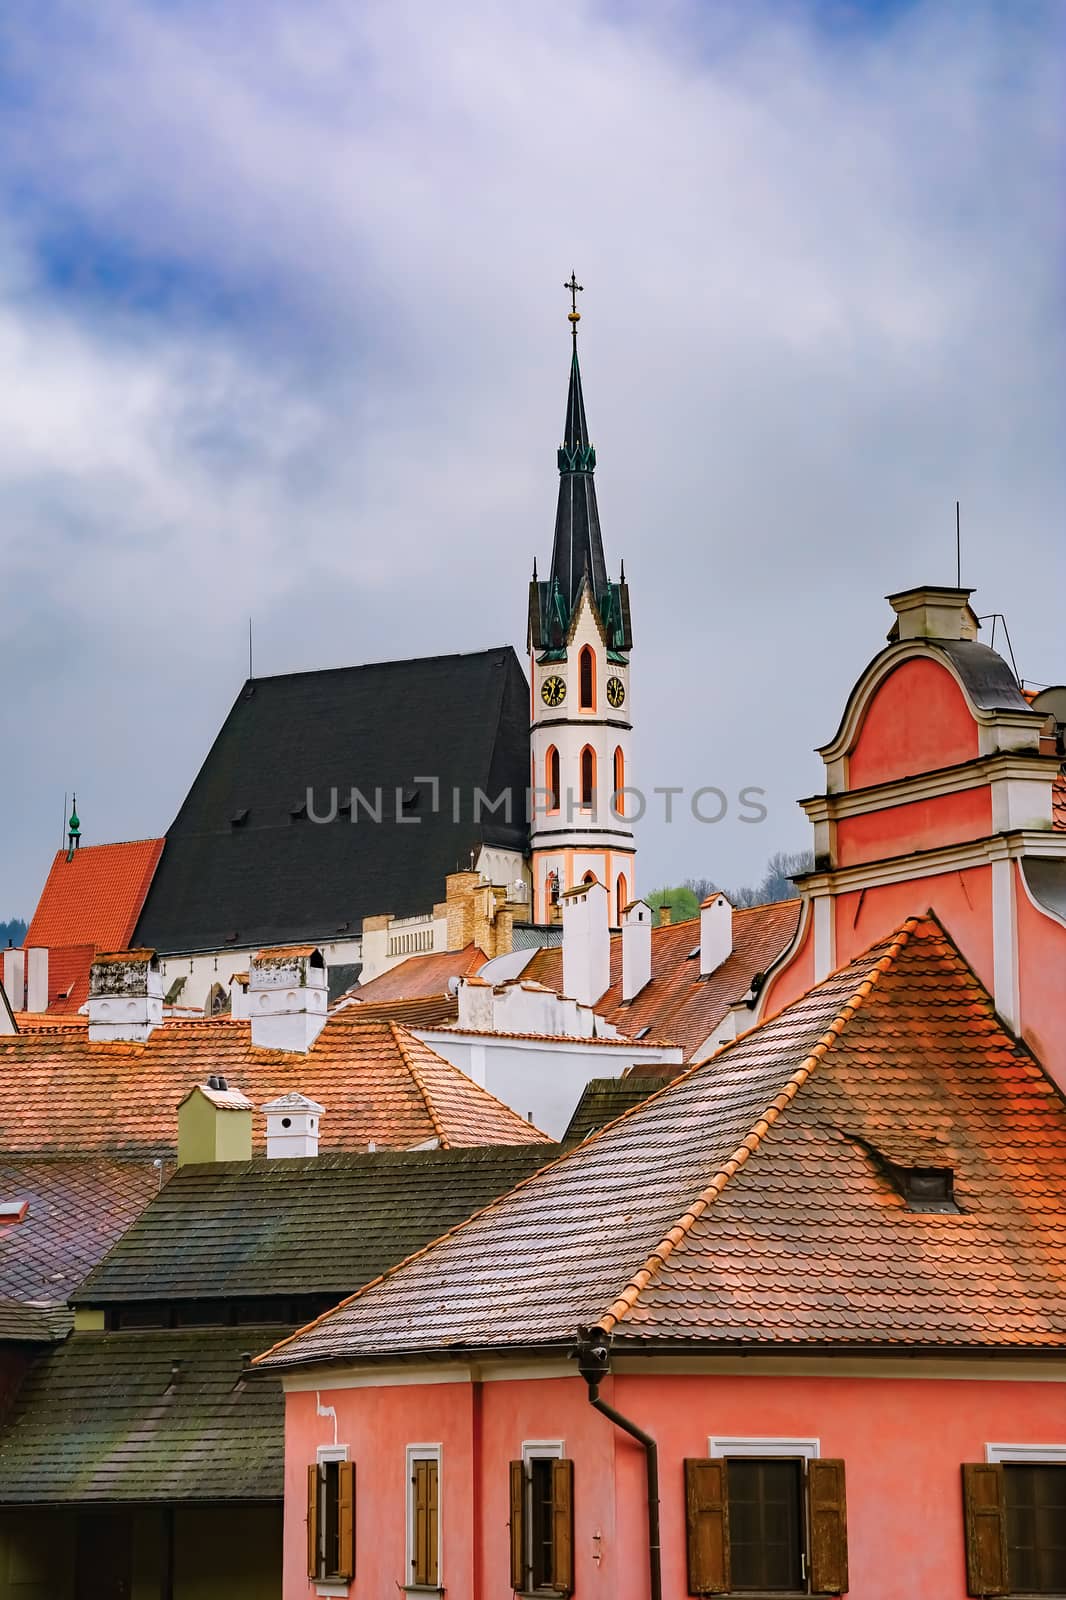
745,1205
22,1323
89,903
76,1209
61,1094
315,1225
421,976
104,1418
242,866
604,1099
677,1003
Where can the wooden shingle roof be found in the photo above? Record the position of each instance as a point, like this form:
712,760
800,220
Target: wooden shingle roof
749,1204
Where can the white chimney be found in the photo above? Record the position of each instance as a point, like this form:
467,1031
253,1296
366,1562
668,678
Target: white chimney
15,978
37,979
716,933
292,1126
476,1004
238,997
287,997
586,942
125,996
932,612
636,948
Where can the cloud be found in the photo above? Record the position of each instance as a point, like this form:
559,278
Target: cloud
281,316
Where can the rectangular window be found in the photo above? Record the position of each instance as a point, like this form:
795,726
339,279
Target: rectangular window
542,1520
331,1516
423,1516
766,1524
1035,1499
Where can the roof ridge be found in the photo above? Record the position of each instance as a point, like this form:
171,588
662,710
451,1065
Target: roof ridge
405,1054
620,1307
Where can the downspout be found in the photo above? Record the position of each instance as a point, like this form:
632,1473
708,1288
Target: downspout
593,1359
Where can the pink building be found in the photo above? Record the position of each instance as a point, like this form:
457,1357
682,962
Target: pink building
797,1324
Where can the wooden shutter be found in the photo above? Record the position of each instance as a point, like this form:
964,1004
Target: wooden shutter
424,1555
346,1519
984,1509
828,1512
563,1526
707,1518
312,1521
518,1525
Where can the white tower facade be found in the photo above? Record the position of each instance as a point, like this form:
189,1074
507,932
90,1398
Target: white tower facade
580,642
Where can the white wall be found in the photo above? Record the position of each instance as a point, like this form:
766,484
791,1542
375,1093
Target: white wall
538,1076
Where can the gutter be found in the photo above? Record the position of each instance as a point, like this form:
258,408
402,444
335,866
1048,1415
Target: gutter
593,1359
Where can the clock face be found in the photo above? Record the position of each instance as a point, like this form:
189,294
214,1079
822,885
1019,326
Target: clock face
553,691
616,692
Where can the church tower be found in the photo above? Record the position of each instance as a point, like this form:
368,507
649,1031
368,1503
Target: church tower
580,640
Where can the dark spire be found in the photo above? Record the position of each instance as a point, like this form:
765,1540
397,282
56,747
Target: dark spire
578,546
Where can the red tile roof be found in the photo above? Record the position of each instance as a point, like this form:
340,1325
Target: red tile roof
750,1203
425,1011
419,976
678,1003
89,903
379,1084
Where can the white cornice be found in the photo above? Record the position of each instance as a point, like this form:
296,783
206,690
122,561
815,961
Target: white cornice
931,863
980,773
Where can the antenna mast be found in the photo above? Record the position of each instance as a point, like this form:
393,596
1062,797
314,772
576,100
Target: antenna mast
250,673
958,549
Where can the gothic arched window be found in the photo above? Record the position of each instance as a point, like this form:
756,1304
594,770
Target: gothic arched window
586,674
551,779
619,800
621,898
588,775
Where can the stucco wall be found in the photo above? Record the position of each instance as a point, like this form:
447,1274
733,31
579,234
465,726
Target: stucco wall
903,1439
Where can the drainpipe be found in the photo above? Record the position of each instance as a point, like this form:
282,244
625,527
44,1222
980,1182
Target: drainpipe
593,1360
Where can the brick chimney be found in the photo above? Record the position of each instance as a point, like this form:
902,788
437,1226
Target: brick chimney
293,1123
637,919
125,996
666,915
586,942
214,1124
287,997
716,933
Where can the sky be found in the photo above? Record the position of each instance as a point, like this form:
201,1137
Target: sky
283,336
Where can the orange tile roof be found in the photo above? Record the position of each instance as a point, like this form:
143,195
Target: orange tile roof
90,903
749,1203
419,976
379,1084
678,1003
425,1011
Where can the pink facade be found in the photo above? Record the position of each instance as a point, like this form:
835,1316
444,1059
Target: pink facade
903,1440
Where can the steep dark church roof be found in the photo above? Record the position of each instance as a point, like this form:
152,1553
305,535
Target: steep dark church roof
577,552
247,864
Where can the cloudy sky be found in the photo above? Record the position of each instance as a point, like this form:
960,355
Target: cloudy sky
282,334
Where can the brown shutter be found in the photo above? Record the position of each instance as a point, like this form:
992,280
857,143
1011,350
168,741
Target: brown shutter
432,1519
984,1511
707,1517
424,1555
828,1511
312,1521
563,1525
518,1525
346,1519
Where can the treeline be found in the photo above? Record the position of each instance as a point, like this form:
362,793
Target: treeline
12,932
776,883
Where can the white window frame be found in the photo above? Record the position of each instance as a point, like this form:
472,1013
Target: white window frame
324,1453
413,1453
719,1445
1035,1455
535,1450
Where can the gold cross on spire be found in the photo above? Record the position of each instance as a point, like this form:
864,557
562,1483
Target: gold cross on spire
573,316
